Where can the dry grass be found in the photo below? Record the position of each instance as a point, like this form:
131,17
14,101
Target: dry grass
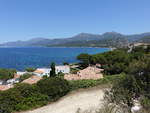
109,108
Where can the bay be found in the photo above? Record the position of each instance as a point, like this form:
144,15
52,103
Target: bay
20,58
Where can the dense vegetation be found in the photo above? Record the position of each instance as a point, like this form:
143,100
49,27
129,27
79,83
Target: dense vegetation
6,74
113,62
53,72
29,69
129,72
135,85
106,81
53,87
111,42
25,96
25,76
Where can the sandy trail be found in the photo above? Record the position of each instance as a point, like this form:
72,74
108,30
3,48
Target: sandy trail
83,99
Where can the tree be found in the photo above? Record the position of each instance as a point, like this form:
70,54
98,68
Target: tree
30,69
123,92
8,100
136,84
60,74
21,97
52,72
65,63
141,71
25,76
148,49
85,59
6,74
54,87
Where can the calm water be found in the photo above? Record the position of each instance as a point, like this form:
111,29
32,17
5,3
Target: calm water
20,58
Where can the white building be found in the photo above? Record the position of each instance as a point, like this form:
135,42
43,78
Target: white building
21,73
12,81
1,82
46,71
63,69
42,71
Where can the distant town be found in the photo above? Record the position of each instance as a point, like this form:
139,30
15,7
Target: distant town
91,72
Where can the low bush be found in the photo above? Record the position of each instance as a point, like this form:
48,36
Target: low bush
29,69
6,74
25,96
21,97
145,102
54,87
76,84
8,100
25,76
34,101
74,70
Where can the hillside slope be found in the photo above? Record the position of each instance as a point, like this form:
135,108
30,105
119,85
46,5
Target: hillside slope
83,99
108,39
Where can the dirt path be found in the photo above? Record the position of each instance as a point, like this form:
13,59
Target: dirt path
84,99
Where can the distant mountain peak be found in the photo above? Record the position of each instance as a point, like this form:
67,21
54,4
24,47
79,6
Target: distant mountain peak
112,33
83,34
81,39
38,38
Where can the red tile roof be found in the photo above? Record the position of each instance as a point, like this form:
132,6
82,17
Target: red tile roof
5,87
39,71
90,72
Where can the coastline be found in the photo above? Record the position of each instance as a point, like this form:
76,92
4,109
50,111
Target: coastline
22,57
51,47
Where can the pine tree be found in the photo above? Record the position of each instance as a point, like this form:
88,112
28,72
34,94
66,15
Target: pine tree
52,72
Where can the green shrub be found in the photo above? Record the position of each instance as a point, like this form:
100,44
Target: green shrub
6,74
60,74
76,84
29,69
21,97
31,97
53,87
34,101
145,102
25,76
26,90
8,100
74,70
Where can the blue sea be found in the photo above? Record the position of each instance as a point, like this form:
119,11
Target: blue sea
20,58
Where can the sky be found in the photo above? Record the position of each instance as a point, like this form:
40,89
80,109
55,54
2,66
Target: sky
26,19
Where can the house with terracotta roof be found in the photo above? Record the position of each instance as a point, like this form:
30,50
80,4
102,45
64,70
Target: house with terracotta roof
42,71
5,87
91,72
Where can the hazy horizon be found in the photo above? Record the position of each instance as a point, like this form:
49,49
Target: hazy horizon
69,36
27,19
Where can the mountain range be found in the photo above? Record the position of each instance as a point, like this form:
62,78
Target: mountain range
108,39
